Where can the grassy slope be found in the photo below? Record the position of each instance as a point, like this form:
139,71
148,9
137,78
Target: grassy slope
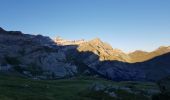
15,88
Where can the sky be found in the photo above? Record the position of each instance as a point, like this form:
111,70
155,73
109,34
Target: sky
125,24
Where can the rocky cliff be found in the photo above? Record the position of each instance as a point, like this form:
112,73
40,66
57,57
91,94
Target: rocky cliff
33,55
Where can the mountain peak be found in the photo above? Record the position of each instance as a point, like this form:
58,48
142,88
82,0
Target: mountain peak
2,30
163,47
61,41
138,51
97,39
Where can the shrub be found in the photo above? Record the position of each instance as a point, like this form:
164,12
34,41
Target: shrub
12,60
18,68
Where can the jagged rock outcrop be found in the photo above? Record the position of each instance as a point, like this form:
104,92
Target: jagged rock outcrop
33,55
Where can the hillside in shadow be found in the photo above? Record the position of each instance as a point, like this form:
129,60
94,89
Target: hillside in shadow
39,56
88,62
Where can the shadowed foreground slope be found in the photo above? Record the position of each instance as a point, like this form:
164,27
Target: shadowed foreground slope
17,88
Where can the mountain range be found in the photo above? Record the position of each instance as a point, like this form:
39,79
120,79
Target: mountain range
38,56
106,52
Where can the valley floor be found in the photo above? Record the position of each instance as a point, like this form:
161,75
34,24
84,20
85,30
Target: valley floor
18,88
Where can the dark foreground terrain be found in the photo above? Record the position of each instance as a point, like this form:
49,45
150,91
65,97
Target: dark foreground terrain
79,88
34,67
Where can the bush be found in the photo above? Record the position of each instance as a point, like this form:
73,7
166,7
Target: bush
164,86
161,96
18,68
12,60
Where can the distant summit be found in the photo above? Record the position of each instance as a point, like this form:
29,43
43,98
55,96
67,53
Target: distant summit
140,56
1,29
61,41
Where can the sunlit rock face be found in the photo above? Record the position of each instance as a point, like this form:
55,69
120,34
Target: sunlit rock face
61,41
34,55
105,52
116,65
102,49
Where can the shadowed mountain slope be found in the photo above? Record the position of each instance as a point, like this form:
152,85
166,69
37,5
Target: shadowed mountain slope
106,52
116,65
38,56
33,55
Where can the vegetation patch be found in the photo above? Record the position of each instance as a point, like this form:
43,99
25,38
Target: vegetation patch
12,60
18,88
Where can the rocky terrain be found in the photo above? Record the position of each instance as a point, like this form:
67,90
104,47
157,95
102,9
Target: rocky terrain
61,41
35,67
38,56
97,56
33,55
106,52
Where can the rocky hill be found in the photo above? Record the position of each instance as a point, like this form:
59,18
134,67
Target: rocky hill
38,56
114,64
106,52
140,56
103,50
33,55
96,46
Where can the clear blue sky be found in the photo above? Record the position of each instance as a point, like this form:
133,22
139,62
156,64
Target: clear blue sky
125,24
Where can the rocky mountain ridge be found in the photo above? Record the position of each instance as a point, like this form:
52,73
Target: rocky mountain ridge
33,55
61,41
106,52
117,65
38,56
